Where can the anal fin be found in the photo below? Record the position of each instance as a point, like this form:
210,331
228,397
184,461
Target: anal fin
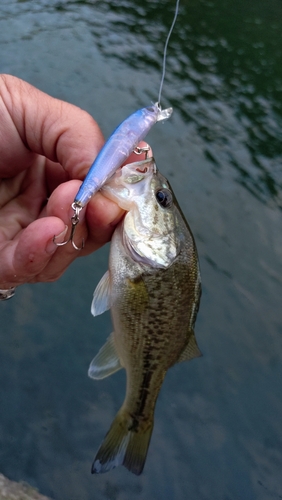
106,361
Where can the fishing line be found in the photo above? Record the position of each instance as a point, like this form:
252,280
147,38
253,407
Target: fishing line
165,50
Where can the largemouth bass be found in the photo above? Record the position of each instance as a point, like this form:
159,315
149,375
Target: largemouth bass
153,289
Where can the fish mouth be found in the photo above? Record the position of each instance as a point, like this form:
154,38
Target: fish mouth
129,181
142,168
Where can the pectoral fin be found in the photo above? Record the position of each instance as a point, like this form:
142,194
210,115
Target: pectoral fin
106,361
102,296
191,350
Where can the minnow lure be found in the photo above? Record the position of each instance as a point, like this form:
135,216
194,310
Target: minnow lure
118,147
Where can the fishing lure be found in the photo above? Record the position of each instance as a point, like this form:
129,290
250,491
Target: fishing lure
118,147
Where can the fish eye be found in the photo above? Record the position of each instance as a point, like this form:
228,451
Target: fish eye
151,109
164,198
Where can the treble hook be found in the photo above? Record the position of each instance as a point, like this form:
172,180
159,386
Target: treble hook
74,221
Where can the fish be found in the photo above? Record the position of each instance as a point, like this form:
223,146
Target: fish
117,149
153,289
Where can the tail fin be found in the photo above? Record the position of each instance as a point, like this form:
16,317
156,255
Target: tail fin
126,444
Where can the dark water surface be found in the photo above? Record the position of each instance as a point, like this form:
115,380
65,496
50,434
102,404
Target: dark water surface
218,425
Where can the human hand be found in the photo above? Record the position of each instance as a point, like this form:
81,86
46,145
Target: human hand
46,148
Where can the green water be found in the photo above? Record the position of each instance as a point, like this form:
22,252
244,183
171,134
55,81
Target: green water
218,423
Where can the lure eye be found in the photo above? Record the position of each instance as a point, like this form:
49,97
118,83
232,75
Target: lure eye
164,198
